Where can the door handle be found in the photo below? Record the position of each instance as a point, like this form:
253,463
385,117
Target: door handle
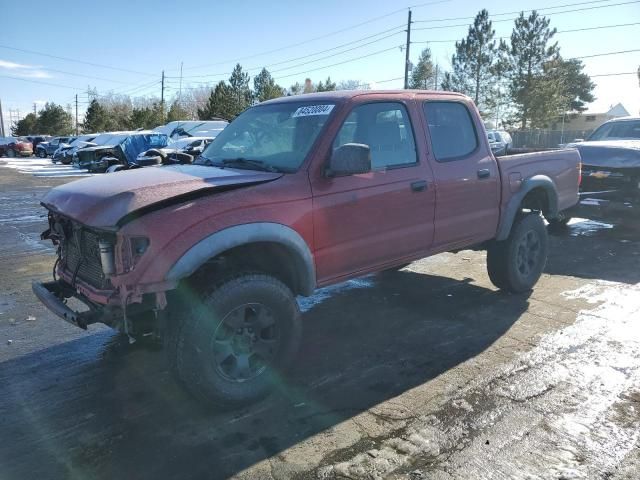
484,173
419,186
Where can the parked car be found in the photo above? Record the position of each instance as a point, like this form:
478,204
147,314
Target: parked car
500,142
120,148
15,146
44,149
296,193
193,146
611,159
37,139
64,153
192,128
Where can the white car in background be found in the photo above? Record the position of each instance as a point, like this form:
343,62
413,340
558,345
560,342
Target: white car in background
500,142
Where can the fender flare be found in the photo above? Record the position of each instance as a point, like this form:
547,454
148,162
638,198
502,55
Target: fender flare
238,235
512,208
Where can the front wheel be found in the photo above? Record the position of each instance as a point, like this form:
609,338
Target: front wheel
231,344
42,153
516,264
11,153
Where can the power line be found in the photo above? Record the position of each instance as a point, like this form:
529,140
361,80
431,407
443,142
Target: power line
452,19
606,54
74,60
304,42
548,14
614,74
82,75
341,63
559,31
42,83
401,27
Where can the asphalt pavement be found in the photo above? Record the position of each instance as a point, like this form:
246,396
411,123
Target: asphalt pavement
428,372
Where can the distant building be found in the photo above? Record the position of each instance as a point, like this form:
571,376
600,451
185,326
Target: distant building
588,120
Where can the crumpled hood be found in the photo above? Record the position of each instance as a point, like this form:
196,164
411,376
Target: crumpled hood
610,153
103,201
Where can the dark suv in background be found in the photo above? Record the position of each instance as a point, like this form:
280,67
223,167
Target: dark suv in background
45,149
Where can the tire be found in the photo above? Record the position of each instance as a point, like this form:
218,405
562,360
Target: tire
42,153
515,264
11,153
230,345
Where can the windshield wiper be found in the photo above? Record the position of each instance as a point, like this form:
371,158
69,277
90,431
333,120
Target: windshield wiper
255,164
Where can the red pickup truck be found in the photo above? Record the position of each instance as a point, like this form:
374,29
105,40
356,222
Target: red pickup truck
296,193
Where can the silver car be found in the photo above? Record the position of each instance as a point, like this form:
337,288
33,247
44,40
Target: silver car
500,142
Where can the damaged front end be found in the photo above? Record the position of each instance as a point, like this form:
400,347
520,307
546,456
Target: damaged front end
87,261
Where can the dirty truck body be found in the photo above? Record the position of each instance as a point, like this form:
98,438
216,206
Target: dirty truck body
210,256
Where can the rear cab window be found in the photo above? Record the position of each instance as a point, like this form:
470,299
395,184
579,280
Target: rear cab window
451,128
385,127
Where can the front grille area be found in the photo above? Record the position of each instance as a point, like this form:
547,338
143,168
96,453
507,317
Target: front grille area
81,248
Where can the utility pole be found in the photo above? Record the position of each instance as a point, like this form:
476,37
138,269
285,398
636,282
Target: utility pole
435,82
76,114
34,109
406,61
162,97
1,121
180,91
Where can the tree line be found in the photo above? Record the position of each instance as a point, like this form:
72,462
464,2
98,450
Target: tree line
525,79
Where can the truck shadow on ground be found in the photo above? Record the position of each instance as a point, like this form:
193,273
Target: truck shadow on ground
600,247
97,408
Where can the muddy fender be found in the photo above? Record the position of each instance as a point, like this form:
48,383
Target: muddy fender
219,242
514,205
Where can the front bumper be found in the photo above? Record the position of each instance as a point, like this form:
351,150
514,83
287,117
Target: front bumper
52,295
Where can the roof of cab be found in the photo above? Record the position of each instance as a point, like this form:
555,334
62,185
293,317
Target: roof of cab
343,95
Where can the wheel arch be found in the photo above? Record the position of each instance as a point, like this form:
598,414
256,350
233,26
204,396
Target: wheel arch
536,193
282,252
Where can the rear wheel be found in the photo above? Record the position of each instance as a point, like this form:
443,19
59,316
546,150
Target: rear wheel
230,345
42,153
11,153
515,264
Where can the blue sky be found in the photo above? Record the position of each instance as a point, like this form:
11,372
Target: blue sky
139,39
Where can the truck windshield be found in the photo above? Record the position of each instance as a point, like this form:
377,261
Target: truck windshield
276,137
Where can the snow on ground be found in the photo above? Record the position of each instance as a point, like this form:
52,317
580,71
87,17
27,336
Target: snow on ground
42,167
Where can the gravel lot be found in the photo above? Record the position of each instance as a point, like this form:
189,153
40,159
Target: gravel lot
424,373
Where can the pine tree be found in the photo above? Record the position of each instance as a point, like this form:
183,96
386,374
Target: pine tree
240,93
27,126
423,72
54,120
296,89
221,104
265,87
177,112
95,120
524,60
327,86
475,64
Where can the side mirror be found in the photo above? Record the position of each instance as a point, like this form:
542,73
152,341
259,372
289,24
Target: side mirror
349,159
183,158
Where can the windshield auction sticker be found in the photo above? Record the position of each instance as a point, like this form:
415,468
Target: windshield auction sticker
311,110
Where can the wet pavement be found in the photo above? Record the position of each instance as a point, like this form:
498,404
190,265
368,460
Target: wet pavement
429,372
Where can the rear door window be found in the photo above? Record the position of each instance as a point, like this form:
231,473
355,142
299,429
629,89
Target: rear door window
453,134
